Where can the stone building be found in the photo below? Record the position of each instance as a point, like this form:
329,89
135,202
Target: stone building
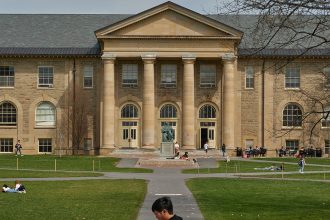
89,84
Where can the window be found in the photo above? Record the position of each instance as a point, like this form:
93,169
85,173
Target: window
168,75
7,114
292,77
45,114
327,146
207,111
6,145
7,76
88,143
249,77
45,145
292,145
327,76
130,75
88,76
168,111
129,111
207,75
292,116
325,123
46,76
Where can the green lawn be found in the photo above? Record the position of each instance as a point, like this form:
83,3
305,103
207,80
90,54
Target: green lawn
40,174
309,160
312,176
261,199
89,199
241,166
66,163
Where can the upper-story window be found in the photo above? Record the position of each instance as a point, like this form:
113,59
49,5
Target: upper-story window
168,111
292,116
7,114
130,75
207,111
326,72
249,77
88,76
325,122
168,75
207,75
129,111
46,76
45,114
292,77
7,76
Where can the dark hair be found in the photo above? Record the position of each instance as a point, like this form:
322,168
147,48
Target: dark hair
162,204
4,185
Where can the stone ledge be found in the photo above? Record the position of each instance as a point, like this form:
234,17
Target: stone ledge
163,162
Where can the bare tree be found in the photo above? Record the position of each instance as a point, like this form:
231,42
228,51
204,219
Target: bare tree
294,28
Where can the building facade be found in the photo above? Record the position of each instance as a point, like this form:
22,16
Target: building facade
118,79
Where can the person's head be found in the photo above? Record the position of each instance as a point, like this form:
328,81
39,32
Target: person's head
17,182
162,208
18,141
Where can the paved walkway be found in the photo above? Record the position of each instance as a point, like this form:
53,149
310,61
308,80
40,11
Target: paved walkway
167,182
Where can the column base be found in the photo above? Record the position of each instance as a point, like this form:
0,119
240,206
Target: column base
149,147
106,149
188,147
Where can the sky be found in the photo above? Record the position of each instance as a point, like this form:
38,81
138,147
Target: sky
96,6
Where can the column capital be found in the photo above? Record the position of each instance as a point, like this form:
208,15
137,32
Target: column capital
228,57
108,56
188,58
148,58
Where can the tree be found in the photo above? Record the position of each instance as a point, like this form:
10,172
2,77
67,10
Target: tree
296,28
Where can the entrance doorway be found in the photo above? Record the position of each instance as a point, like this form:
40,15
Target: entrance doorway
129,134
207,133
203,137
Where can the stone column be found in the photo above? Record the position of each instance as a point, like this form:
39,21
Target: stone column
108,120
188,103
229,100
148,116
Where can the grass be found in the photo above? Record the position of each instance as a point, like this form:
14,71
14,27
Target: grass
43,174
89,199
309,160
261,199
310,176
66,163
241,166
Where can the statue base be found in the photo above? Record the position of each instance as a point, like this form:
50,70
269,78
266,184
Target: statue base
167,149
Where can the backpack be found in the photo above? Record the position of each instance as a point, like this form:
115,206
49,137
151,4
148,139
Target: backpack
300,162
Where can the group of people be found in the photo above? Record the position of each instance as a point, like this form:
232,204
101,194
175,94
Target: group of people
18,188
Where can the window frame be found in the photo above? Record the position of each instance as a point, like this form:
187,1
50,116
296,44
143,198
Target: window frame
211,80
88,69
248,79
171,110
3,145
86,144
172,75
327,146
210,107
293,147
134,74
45,146
44,123
7,80
291,78
3,114
325,122
135,114
50,84
288,125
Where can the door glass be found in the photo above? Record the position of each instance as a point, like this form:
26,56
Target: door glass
125,134
133,134
211,134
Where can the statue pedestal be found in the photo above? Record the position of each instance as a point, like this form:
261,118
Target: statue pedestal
167,149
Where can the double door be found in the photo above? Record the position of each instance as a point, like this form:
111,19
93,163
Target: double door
207,134
129,134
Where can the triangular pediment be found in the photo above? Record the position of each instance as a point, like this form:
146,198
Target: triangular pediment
169,20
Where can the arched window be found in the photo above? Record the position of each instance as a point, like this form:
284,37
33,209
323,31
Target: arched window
207,111
45,114
7,114
129,111
326,117
168,111
292,115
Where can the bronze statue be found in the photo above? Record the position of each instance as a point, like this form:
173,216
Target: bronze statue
167,133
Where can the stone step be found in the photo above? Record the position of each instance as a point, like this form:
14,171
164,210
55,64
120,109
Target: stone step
163,162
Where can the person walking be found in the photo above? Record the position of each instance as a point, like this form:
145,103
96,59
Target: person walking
223,149
18,148
301,164
206,147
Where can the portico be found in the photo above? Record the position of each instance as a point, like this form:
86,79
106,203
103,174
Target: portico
189,67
